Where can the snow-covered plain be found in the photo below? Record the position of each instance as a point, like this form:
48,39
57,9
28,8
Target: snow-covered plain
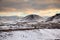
37,34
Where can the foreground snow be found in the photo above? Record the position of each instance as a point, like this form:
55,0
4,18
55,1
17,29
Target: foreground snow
37,34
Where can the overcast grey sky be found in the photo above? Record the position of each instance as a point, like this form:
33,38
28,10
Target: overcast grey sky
30,4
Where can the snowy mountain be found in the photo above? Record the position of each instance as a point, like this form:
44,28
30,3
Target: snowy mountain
55,18
33,18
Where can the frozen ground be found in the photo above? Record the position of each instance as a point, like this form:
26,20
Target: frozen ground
40,34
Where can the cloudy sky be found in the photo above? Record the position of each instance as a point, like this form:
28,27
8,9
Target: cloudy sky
25,5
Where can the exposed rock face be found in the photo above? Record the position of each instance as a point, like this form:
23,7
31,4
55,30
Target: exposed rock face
54,18
32,18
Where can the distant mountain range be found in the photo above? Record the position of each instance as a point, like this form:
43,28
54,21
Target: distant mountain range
9,17
32,18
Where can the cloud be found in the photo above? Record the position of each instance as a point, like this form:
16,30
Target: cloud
29,4
7,9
